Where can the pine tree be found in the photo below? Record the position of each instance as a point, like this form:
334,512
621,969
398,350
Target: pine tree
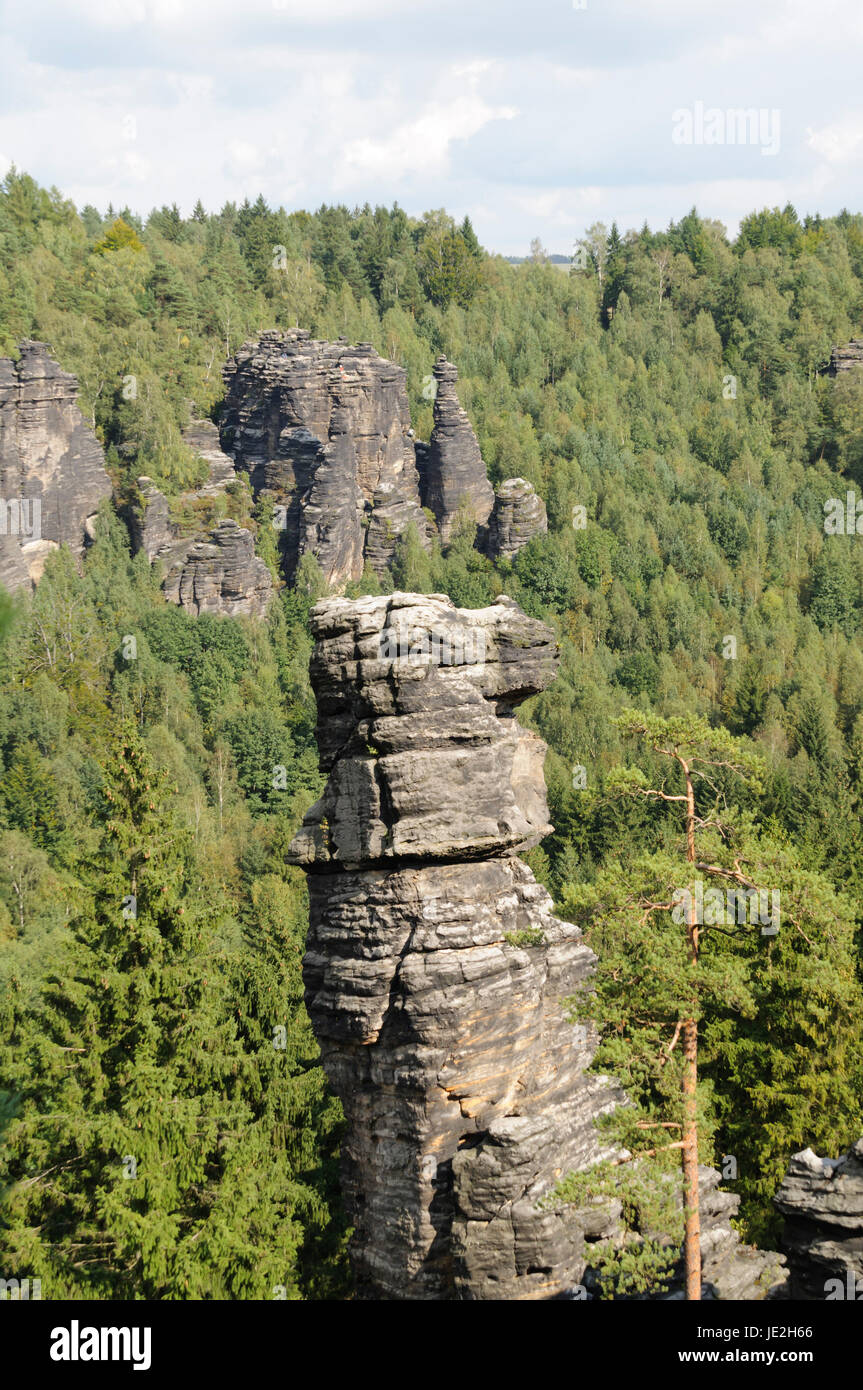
726,992
122,1073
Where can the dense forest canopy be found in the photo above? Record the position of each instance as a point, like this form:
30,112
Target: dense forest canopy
666,397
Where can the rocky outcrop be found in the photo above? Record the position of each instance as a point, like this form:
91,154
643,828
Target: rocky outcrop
222,575
214,569
518,515
822,1202
435,967
52,468
456,484
202,437
152,527
324,430
844,359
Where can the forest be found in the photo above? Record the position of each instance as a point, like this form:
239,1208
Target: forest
666,394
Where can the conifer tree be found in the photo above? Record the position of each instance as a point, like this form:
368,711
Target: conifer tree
122,1112
705,934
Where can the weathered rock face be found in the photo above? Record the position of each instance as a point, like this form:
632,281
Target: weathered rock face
222,575
822,1202
52,468
324,429
454,476
202,436
435,968
844,359
518,515
215,569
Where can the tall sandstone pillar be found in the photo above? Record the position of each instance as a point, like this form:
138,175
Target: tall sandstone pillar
435,968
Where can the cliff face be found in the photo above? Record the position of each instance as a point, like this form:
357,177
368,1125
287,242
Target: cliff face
221,575
50,462
844,359
324,429
435,967
822,1202
214,570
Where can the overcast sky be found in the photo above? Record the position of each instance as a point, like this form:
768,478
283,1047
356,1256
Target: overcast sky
535,118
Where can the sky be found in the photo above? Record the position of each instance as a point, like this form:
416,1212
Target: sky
535,119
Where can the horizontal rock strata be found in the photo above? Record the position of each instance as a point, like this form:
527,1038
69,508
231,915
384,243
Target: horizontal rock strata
519,514
456,485
435,967
822,1202
844,359
324,430
222,575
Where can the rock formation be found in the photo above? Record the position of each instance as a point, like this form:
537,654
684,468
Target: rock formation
214,569
435,967
843,359
222,575
822,1202
455,480
324,430
52,469
518,515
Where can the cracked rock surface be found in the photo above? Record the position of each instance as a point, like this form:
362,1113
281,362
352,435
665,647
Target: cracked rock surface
323,429
435,967
822,1202
50,458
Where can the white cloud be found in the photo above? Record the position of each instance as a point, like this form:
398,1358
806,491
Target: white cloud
422,145
840,143
534,123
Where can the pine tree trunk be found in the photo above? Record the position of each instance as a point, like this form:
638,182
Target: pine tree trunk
692,1214
692,1239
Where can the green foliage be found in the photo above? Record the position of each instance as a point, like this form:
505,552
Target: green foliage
670,386
647,1197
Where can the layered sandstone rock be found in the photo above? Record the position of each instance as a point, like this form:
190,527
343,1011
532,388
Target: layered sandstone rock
456,484
324,430
52,468
822,1202
222,575
518,515
435,967
214,569
844,359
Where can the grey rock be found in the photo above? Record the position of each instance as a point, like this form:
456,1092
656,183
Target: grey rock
50,460
202,436
454,477
435,968
215,569
324,430
222,575
822,1202
844,359
519,514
